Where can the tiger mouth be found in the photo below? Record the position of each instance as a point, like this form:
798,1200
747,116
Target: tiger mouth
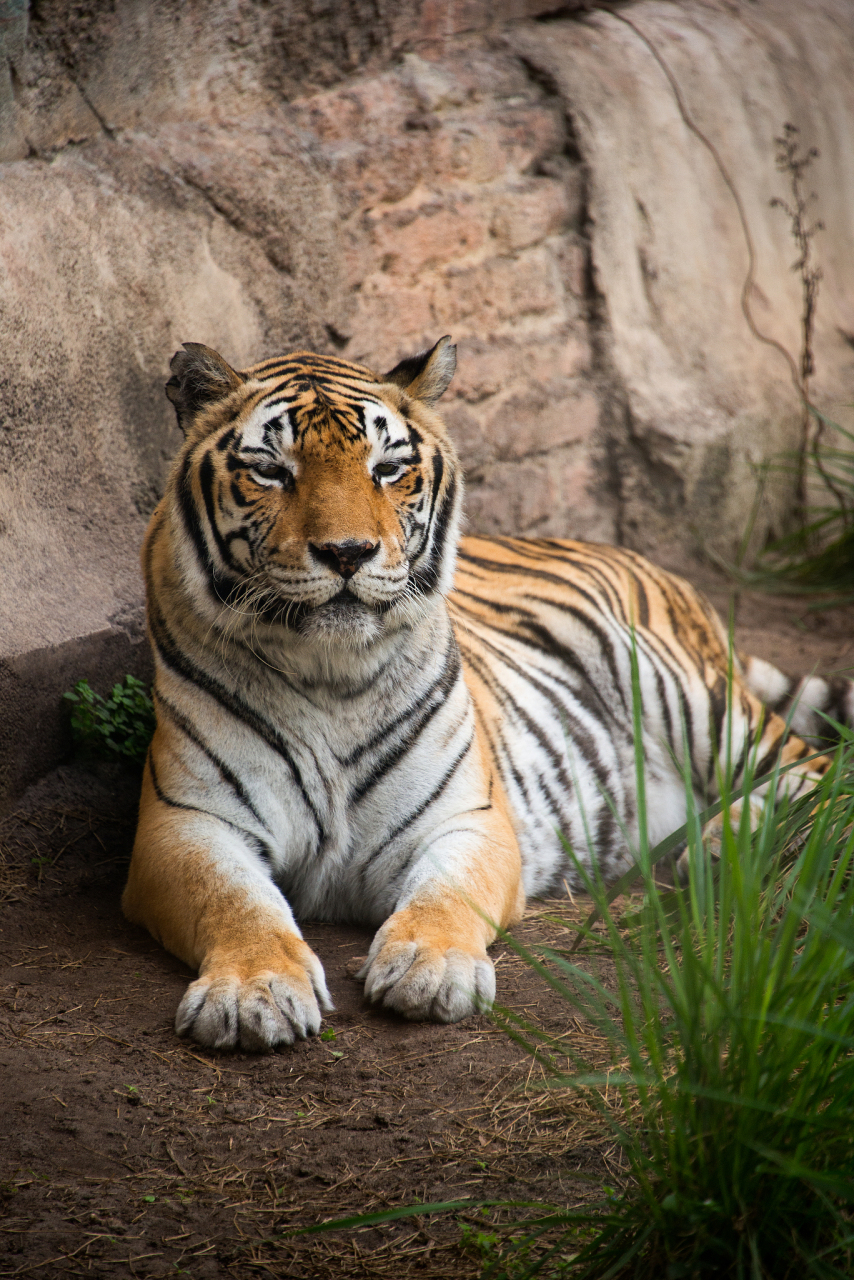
344,606
346,601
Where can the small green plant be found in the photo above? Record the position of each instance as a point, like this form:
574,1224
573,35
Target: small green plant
483,1244
328,1034
119,726
41,862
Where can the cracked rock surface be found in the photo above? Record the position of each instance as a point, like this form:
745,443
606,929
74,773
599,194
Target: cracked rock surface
362,178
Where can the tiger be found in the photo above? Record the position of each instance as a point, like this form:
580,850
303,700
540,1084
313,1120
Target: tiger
362,716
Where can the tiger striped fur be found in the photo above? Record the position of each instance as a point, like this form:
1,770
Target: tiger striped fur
346,731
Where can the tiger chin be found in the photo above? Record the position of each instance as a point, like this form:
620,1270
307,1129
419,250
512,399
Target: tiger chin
363,718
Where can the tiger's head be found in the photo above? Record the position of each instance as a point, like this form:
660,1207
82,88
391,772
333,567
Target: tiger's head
315,497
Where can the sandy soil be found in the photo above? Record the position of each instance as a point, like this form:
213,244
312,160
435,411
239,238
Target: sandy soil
127,1152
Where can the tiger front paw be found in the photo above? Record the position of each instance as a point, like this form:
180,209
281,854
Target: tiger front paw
226,1009
427,983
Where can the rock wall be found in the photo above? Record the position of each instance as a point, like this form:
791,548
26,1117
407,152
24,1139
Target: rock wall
362,177
675,110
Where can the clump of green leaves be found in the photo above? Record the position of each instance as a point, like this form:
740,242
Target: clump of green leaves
482,1244
117,727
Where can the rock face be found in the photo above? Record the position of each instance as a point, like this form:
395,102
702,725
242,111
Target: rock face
362,178
676,111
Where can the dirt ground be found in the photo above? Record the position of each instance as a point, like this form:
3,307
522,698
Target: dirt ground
127,1152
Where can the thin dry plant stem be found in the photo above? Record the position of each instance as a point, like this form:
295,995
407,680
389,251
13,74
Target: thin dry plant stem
788,162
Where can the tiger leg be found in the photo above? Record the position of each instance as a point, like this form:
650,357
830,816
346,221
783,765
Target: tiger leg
767,739
806,702
205,895
429,959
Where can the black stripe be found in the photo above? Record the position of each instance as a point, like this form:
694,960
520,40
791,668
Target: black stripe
740,750
227,774
426,576
608,831
606,823
206,484
510,765
769,759
257,845
543,641
643,603
393,757
573,610
504,762
304,686
657,652
190,515
440,686
221,585
579,733
177,661
422,808
665,710
717,694
658,656
599,570
161,794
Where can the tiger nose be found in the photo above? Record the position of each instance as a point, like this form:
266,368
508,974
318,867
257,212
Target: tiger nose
344,557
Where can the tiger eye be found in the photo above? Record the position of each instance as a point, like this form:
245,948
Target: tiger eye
281,474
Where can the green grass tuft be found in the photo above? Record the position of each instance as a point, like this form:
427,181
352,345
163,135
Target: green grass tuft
732,1044
817,558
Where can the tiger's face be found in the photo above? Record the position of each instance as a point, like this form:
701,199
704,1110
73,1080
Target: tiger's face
316,496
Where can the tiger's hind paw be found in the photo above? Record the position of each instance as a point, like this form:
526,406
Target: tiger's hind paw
424,983
256,1013
714,835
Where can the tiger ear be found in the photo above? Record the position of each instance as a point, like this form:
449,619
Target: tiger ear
426,376
199,377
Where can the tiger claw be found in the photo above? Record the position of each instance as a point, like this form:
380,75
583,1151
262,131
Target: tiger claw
423,983
256,1014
